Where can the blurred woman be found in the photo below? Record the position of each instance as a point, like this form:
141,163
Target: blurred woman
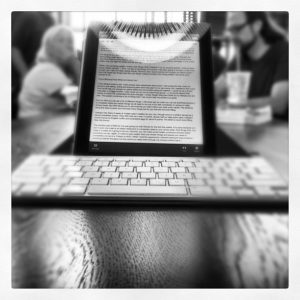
56,67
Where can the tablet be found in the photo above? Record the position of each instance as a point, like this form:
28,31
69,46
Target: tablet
146,89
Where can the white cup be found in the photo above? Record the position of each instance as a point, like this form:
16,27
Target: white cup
238,83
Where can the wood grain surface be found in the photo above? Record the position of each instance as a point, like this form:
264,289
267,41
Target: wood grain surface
148,248
138,247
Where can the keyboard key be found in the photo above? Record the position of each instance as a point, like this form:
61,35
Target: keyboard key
220,176
73,190
136,190
214,182
176,182
196,182
204,163
101,163
157,182
152,164
73,168
92,174
202,175
55,168
183,175
108,169
143,169
160,169
125,169
214,170
129,175
51,162
196,170
57,174
230,169
50,189
264,191
202,191
68,163
178,170
185,164
62,180
101,181
135,164
138,182
111,175
148,175
29,189
245,192
84,163
80,181
118,181
234,182
224,191
165,175
73,174
238,176
168,164
90,169
118,163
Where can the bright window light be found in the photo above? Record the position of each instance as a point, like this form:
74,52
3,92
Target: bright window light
131,16
80,20
175,16
159,17
99,16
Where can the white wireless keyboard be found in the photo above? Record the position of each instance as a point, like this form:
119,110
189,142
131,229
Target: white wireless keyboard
64,180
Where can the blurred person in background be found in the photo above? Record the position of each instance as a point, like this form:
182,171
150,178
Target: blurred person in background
27,31
263,52
56,68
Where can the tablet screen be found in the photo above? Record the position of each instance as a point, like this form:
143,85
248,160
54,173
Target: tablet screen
147,91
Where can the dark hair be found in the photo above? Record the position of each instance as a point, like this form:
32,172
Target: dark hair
269,34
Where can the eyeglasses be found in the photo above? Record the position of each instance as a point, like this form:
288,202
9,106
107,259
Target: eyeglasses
237,28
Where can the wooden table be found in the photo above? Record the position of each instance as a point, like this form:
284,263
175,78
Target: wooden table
148,247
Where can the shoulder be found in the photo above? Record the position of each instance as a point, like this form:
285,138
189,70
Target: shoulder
47,70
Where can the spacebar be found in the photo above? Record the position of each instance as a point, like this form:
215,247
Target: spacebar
135,190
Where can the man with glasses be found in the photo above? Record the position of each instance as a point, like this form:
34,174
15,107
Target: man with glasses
264,52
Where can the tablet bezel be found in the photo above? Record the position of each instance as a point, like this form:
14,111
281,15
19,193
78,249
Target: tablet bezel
86,95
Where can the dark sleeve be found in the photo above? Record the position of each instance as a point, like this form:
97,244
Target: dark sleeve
282,69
